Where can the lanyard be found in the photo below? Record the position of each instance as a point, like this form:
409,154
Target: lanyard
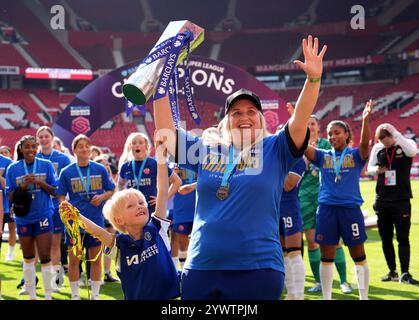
190,175
86,186
390,159
47,157
335,165
138,178
230,166
25,167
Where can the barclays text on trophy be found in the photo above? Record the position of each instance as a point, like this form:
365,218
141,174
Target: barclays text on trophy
154,74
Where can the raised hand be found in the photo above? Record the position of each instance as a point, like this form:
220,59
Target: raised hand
367,110
161,150
313,61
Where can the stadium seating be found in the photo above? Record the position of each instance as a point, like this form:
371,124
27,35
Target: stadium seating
254,17
37,36
261,40
110,15
9,56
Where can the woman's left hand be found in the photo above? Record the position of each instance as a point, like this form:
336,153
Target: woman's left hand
313,61
367,110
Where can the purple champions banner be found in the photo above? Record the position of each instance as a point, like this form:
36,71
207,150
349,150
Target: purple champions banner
212,82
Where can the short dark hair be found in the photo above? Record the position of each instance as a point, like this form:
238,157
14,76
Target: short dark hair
383,133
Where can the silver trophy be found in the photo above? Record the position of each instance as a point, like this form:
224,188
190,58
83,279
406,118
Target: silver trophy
141,85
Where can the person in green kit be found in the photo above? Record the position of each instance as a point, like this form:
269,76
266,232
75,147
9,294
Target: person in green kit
308,194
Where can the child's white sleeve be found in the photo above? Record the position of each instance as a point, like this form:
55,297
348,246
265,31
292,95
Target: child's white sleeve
408,145
164,227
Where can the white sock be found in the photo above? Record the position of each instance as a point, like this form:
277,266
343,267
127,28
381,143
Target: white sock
289,283
298,275
10,251
96,288
74,286
363,277
326,279
176,262
29,274
47,278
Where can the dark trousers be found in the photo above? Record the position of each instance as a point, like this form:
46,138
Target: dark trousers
394,215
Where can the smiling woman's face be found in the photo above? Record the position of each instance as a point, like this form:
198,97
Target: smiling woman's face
82,150
29,149
244,121
45,139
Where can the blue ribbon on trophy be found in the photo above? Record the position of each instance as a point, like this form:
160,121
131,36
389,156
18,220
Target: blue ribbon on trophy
142,84
174,105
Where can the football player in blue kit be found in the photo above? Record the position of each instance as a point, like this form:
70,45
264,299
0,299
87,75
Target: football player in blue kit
7,217
138,170
291,228
88,186
339,213
142,247
38,178
235,252
182,216
59,160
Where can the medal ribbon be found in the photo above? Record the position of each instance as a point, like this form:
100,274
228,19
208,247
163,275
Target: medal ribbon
46,157
138,178
190,175
25,167
230,166
86,186
390,159
335,165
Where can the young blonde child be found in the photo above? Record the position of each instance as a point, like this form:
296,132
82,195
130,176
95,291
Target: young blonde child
143,260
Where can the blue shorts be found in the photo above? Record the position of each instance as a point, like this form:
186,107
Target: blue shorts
291,221
259,284
58,224
333,222
88,240
182,228
44,225
7,218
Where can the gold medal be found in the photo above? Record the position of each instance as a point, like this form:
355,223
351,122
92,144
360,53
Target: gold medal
338,178
314,173
222,193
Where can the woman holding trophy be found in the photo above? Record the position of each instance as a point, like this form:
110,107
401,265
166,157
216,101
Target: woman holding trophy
235,251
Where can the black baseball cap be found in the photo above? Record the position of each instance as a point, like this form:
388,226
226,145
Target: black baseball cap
242,94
